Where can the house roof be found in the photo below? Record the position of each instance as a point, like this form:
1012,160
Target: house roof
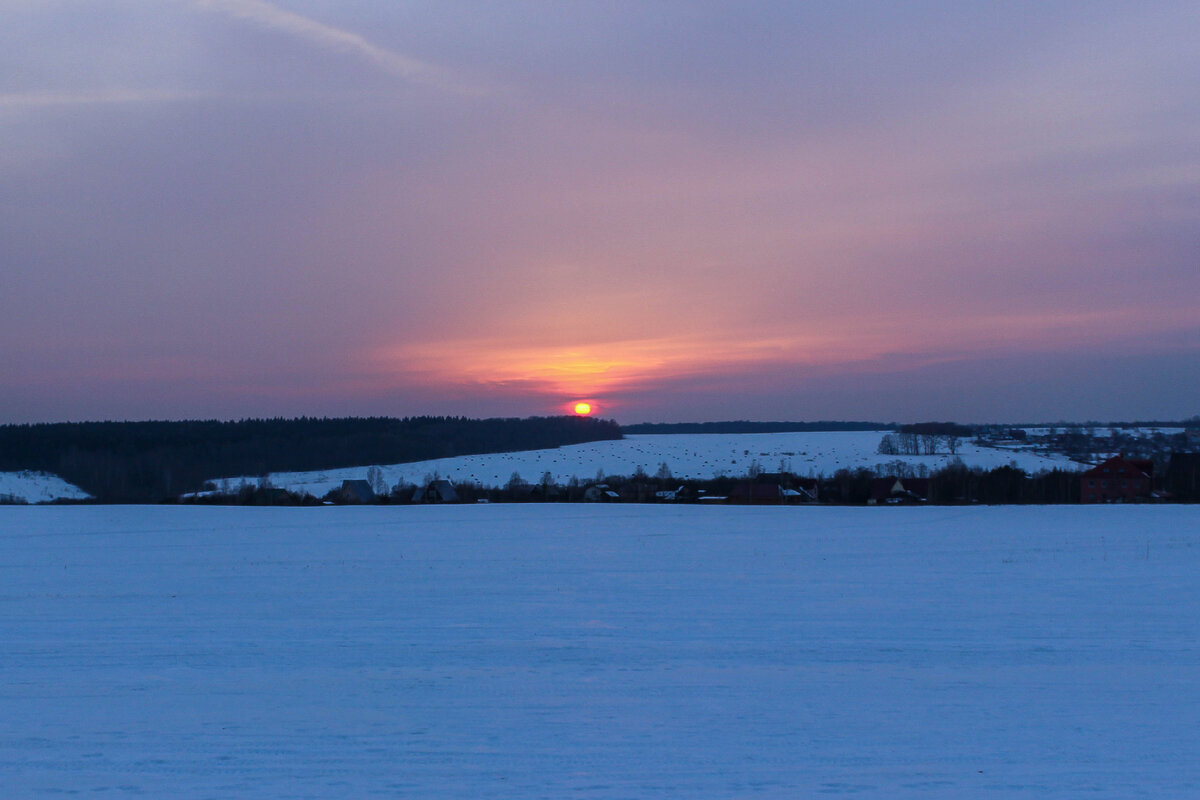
359,491
1118,465
883,488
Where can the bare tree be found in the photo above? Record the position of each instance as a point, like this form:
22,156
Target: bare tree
375,480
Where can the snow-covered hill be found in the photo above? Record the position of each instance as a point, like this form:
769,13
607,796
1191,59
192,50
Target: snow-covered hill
699,456
37,487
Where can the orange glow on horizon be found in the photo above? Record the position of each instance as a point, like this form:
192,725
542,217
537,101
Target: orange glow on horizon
584,372
611,368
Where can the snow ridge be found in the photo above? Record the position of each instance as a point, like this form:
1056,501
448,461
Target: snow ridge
37,487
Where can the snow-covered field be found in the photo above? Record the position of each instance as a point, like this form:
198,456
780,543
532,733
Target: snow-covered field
698,456
573,651
37,487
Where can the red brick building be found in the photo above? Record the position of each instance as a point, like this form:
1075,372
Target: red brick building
1117,480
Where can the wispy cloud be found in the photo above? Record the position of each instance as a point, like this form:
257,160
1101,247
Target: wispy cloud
340,40
32,100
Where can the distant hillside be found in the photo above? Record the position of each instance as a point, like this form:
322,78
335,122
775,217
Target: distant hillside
152,461
744,426
684,457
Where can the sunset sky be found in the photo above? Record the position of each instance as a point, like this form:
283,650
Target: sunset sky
676,211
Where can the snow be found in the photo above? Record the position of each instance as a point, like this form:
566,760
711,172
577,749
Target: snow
553,651
38,487
698,456
1107,431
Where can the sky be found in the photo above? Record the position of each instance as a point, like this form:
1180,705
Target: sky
678,211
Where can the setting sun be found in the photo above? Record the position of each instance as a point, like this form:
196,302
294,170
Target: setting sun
583,409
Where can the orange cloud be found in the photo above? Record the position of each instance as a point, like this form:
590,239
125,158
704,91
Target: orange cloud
596,370
604,371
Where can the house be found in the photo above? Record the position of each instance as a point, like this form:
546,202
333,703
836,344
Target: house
545,491
439,491
894,491
774,487
600,493
1118,480
271,496
355,492
807,486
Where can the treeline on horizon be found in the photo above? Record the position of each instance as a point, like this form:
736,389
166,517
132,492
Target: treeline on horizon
154,461
747,426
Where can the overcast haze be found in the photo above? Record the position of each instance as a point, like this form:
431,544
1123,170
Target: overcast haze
677,210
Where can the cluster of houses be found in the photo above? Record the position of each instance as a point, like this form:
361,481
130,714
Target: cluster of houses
762,489
1122,479
1119,479
765,488
360,491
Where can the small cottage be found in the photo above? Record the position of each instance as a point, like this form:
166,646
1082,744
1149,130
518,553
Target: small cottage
897,491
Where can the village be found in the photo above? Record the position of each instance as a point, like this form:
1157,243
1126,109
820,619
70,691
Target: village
1086,465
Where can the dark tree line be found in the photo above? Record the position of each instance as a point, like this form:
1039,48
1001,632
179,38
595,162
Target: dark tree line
958,483
153,461
1183,477
924,438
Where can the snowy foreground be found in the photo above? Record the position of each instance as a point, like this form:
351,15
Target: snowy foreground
572,651
687,455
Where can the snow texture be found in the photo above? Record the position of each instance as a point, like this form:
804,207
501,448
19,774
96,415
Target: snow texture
573,651
687,455
37,487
